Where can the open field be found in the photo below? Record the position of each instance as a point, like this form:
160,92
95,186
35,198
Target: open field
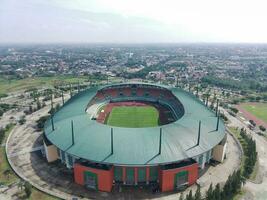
259,110
7,176
12,85
133,116
29,83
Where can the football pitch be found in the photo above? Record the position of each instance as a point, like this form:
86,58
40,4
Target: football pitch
259,110
133,116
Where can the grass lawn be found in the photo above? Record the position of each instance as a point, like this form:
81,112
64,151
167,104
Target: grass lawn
12,85
36,194
11,177
259,110
239,195
133,116
30,83
6,174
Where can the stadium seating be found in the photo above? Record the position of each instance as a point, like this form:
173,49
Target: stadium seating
144,93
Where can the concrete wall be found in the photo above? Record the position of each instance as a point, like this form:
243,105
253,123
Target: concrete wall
51,152
166,177
218,152
104,177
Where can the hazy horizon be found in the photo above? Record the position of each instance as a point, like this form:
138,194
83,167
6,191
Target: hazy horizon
132,22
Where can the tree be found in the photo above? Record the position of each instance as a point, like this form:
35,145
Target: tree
262,128
28,189
190,196
181,196
30,109
235,110
7,173
1,111
57,107
22,120
38,105
198,193
41,121
209,194
21,184
217,192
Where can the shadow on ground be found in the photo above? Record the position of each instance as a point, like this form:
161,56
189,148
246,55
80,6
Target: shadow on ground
57,177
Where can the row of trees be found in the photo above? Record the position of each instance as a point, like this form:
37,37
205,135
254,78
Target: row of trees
26,186
231,187
235,84
5,107
250,153
235,181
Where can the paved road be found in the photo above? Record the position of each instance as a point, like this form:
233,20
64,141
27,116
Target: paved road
49,177
255,191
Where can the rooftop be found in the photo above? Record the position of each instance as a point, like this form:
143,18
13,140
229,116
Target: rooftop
134,146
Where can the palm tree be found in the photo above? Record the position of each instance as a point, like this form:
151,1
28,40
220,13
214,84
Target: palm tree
21,184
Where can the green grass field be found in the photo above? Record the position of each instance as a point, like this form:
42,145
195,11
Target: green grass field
259,110
133,116
29,83
12,85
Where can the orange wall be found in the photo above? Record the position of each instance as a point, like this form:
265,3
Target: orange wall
104,177
166,177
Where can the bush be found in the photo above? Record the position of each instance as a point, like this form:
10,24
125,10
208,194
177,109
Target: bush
40,122
252,122
22,120
262,128
28,189
235,110
223,117
232,114
3,95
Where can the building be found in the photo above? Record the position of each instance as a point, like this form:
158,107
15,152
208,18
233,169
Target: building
100,155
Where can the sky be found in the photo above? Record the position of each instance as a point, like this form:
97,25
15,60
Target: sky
133,21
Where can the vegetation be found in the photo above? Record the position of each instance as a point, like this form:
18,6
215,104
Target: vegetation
247,84
231,188
234,183
22,120
262,128
31,83
250,153
235,110
133,116
4,107
6,174
27,189
41,121
257,109
2,95
36,194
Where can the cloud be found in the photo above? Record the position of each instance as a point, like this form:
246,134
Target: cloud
127,21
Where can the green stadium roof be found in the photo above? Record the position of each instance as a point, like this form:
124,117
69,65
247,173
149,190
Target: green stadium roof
134,146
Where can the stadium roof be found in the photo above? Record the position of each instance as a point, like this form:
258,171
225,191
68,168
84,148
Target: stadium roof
134,146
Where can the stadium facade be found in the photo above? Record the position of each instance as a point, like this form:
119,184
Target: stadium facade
171,155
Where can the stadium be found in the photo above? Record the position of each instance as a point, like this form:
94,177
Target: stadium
135,134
